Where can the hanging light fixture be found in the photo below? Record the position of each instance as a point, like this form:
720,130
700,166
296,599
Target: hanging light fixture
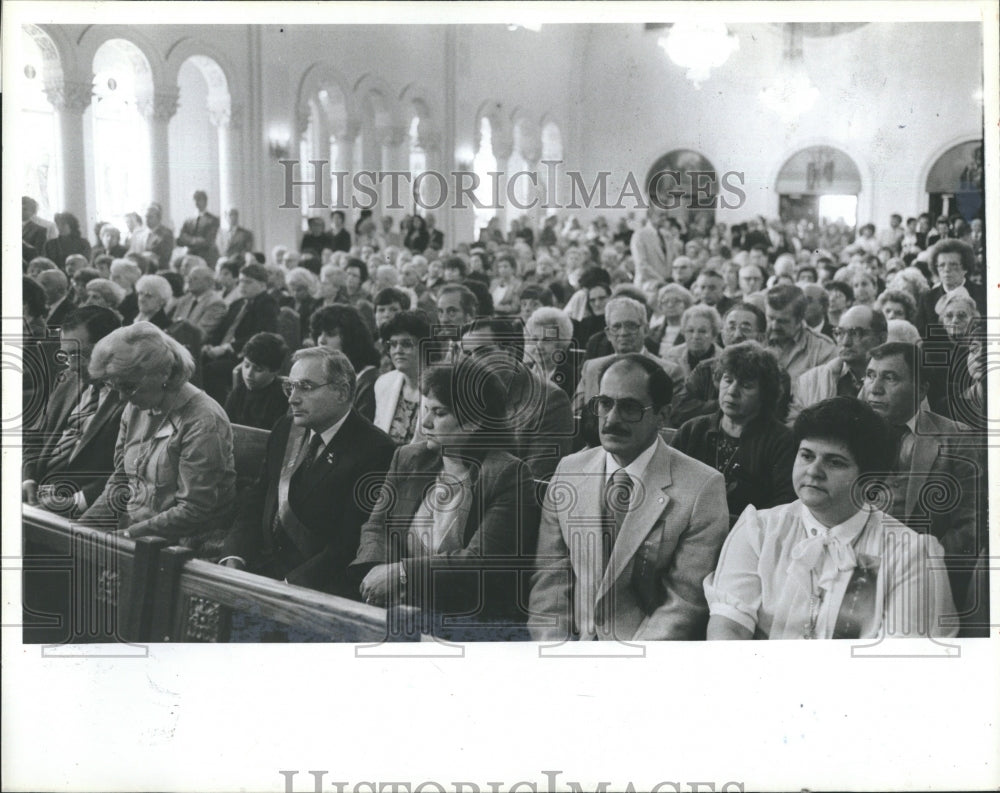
792,92
699,47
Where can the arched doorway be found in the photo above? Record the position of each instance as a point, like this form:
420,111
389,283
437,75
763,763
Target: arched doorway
955,182
819,183
39,169
685,183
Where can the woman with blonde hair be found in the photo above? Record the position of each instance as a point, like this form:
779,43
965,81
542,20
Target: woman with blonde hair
174,475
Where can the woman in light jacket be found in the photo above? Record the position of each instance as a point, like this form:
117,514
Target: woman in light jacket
397,393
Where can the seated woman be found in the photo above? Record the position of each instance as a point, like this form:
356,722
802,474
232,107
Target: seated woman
174,475
665,326
456,523
743,439
341,327
257,398
153,292
829,566
505,288
397,393
960,319
700,325
303,287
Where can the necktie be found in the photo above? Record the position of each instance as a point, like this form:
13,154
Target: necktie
903,444
75,425
305,462
231,330
617,497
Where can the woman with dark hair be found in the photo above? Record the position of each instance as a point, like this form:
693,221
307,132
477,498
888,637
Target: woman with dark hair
450,510
340,327
595,291
397,393
417,238
68,242
829,565
743,439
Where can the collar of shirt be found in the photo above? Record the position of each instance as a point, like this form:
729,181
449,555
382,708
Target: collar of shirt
845,532
327,434
635,469
817,328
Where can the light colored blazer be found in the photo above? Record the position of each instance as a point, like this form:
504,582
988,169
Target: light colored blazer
814,385
678,355
591,372
652,262
206,314
668,543
388,387
178,484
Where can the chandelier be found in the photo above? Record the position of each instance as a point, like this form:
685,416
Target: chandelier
792,92
699,47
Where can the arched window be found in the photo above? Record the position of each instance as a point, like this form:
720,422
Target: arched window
122,81
686,184
39,166
819,183
955,182
482,164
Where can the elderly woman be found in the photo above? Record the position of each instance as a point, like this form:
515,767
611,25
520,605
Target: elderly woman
828,565
397,393
865,286
505,287
174,475
671,302
909,280
103,292
700,325
960,319
126,273
341,327
303,286
743,439
450,510
549,333
153,292
897,304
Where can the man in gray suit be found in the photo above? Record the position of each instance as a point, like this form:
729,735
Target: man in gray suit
629,529
200,304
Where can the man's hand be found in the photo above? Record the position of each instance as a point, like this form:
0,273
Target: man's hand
380,581
236,564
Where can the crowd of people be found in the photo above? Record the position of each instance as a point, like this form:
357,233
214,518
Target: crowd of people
646,431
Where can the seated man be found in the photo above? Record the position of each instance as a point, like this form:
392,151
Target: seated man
75,444
796,347
655,517
200,305
939,480
255,311
257,398
540,423
302,520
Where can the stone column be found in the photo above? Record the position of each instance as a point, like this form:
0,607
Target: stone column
344,138
395,157
71,99
503,147
226,120
158,110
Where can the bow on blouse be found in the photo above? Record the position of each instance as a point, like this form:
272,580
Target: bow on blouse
825,552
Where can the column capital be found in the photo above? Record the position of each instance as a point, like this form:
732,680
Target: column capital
161,106
392,135
346,132
72,96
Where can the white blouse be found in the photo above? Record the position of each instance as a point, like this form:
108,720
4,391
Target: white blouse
783,575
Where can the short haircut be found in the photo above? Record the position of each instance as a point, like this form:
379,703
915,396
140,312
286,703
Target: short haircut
751,308
337,368
54,282
355,337
508,257
547,317
661,387
455,263
785,296
157,284
231,266
508,333
176,281
266,349
806,268
103,260
902,330
629,303
905,299
85,275
412,322
97,320
950,245
110,292
337,213
75,259
255,271
595,276
854,424
359,265
701,311
748,360
129,270
390,295
301,276
139,350
677,289
537,292
471,391
710,273
470,303
33,297
200,194
839,286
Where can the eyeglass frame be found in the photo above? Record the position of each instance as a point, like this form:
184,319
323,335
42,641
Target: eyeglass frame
594,403
288,386
850,333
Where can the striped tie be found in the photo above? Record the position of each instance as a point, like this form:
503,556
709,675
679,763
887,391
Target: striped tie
75,425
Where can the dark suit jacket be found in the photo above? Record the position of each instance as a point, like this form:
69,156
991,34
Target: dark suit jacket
161,242
62,311
198,236
33,239
436,242
329,500
238,240
129,308
261,315
93,459
486,577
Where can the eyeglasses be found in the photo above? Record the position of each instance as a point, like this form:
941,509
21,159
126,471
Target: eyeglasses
302,386
630,410
840,334
624,327
62,356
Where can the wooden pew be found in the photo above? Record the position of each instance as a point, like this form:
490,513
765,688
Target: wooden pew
82,585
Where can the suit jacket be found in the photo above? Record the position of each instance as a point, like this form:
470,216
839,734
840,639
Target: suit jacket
541,423
590,377
206,311
943,492
63,310
814,385
436,240
33,239
261,315
93,460
161,242
495,545
652,587
198,236
236,241
332,499
651,256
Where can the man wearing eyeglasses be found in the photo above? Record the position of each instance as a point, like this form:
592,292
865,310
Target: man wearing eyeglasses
75,444
626,326
629,529
860,329
301,522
